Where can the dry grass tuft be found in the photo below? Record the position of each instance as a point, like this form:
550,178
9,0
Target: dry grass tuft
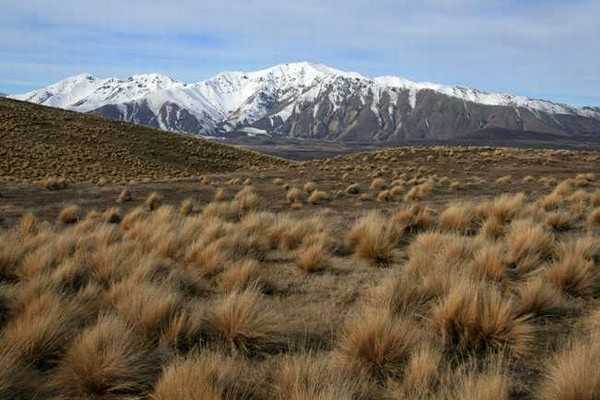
312,258
107,361
124,196
474,317
593,219
377,345
200,376
378,184
317,197
70,214
153,201
241,275
54,183
575,271
187,207
572,374
294,195
220,195
529,244
371,239
458,217
244,323
419,192
310,187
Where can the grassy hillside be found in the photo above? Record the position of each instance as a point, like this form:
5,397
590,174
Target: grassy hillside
38,142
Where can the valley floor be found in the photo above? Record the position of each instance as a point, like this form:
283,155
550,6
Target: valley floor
409,273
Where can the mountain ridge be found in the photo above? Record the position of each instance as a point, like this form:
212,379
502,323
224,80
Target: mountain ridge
312,101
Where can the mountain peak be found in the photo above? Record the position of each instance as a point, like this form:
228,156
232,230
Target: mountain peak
300,97
152,77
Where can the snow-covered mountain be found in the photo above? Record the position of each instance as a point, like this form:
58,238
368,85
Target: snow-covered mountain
313,101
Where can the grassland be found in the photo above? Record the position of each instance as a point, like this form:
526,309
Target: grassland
408,273
40,143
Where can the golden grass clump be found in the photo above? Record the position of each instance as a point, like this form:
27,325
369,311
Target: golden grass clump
504,180
307,376
378,184
153,201
371,239
294,195
384,195
539,298
559,221
241,275
54,183
200,376
310,187
220,195
312,258
593,219
458,217
42,329
145,306
187,207
575,271
244,323
124,196
419,192
377,345
317,197
107,360
529,244
573,373
474,317
70,214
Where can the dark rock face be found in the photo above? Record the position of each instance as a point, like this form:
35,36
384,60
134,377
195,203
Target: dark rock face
365,117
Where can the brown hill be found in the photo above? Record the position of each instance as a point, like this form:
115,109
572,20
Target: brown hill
38,142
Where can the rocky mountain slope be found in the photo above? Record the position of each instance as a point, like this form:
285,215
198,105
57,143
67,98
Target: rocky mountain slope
314,101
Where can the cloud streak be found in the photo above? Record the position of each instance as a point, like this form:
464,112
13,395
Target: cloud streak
530,47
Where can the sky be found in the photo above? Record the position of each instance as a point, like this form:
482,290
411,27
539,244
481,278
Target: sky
539,48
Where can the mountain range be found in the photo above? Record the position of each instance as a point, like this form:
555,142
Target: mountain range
314,101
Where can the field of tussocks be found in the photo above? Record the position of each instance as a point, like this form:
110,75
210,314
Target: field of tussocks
402,274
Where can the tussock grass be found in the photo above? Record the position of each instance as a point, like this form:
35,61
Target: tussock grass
571,374
153,201
377,345
371,239
474,317
70,214
313,258
244,323
107,360
318,196
310,187
458,217
294,195
124,196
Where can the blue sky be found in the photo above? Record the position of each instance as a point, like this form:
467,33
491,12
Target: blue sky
540,48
